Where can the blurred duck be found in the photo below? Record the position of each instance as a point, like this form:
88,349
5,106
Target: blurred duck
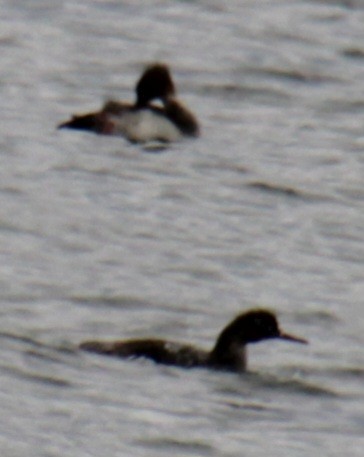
228,353
143,121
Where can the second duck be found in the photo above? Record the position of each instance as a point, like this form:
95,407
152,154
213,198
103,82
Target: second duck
143,121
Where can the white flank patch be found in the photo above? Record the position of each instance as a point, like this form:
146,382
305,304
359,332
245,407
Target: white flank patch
145,125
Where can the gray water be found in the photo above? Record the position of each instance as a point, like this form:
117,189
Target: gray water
102,239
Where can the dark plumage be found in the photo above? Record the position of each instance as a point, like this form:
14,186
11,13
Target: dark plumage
228,353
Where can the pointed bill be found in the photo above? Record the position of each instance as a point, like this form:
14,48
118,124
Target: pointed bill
295,339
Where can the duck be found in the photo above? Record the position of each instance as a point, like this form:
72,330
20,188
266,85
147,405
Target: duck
228,353
143,121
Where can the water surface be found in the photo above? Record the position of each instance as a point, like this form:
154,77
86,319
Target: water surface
102,239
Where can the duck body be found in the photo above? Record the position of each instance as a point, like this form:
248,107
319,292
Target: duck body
146,124
142,121
228,353
160,351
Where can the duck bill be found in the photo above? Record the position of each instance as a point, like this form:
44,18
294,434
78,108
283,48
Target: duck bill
295,339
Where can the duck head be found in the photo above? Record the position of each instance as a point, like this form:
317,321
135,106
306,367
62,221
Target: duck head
258,325
155,82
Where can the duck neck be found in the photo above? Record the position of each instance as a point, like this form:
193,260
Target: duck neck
228,353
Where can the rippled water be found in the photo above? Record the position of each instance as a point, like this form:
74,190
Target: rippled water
100,238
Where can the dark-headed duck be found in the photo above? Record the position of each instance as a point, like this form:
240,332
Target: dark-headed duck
143,121
228,353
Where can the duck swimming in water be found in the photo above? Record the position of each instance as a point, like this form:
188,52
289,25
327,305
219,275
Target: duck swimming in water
229,352
143,121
